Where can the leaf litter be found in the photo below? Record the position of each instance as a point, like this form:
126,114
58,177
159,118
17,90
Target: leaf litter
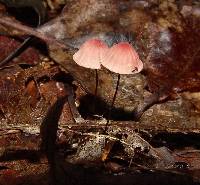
171,56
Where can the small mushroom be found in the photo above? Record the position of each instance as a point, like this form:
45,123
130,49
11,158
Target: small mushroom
121,58
90,55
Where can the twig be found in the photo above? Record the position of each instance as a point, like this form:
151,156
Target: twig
30,31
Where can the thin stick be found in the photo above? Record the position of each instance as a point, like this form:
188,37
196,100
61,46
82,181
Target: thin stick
22,46
31,31
16,52
113,101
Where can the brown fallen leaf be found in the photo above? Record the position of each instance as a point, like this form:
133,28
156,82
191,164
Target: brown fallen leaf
32,91
172,64
7,45
170,54
10,176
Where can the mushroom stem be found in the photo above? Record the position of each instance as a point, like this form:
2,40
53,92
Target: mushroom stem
113,101
96,88
97,82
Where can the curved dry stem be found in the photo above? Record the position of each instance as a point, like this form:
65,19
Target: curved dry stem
6,21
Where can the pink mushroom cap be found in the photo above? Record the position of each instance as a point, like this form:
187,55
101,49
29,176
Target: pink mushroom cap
122,58
91,54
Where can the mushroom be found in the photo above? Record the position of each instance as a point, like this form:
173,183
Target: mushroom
90,55
121,58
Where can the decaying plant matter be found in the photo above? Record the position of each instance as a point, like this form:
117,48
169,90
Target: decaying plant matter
47,122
